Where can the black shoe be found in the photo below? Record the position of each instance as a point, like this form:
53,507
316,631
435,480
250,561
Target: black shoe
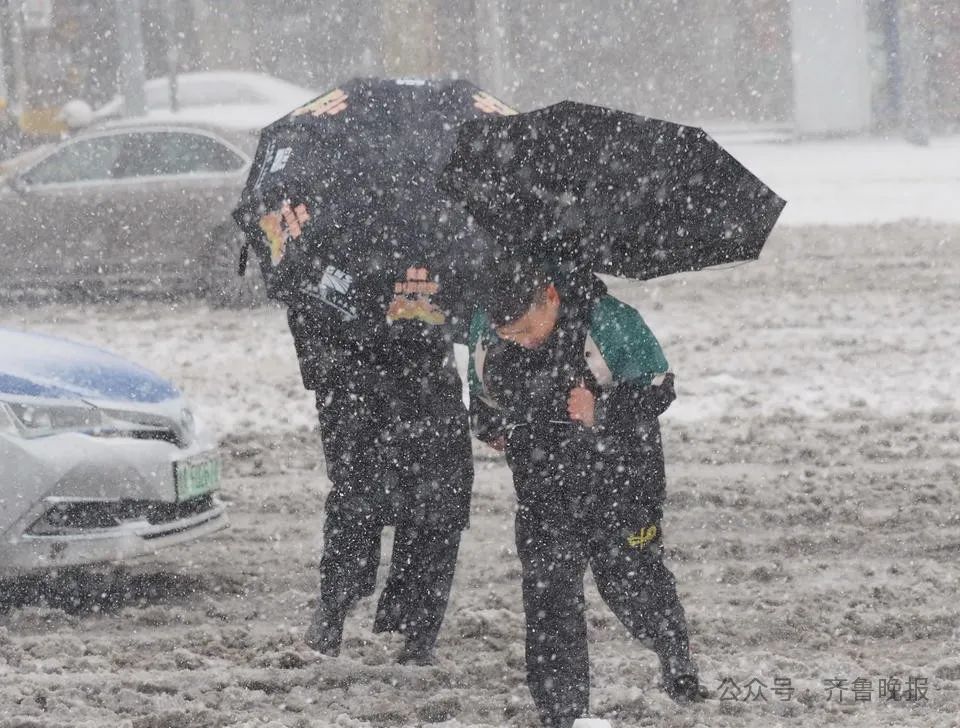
681,682
415,652
325,631
388,620
685,689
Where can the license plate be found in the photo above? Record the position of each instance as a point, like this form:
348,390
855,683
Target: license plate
196,477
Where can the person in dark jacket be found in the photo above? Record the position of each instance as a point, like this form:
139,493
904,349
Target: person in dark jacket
570,381
396,442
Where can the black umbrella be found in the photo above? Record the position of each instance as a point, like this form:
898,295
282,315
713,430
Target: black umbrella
609,191
344,187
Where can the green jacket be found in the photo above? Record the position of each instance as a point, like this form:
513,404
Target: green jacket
620,351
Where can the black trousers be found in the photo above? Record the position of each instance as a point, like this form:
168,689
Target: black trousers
414,598
413,473
586,502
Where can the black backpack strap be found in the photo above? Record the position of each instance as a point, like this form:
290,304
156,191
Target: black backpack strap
582,290
574,349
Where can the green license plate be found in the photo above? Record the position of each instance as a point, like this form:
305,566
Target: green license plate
196,477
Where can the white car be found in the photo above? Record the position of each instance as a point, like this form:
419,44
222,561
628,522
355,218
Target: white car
100,460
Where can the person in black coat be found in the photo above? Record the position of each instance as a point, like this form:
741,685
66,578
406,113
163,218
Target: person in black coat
396,442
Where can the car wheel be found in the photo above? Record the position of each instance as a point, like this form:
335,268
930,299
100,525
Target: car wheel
219,283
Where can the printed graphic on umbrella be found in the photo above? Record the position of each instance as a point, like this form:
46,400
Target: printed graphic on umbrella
609,192
349,180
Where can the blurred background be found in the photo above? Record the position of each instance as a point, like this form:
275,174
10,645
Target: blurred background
805,67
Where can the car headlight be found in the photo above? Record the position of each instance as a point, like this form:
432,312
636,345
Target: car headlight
39,420
145,425
29,419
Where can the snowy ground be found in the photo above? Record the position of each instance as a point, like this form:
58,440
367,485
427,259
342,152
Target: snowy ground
813,520
850,181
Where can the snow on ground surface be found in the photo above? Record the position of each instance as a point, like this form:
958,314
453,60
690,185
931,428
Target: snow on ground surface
813,521
850,181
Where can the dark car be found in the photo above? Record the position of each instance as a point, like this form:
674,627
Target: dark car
136,207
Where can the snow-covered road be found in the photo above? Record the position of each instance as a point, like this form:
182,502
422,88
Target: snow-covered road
812,518
812,521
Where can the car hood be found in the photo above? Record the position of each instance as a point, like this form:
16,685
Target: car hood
34,365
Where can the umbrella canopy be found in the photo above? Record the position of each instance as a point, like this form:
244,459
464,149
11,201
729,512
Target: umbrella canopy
609,191
345,186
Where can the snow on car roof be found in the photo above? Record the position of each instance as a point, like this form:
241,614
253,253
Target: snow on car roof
209,90
239,117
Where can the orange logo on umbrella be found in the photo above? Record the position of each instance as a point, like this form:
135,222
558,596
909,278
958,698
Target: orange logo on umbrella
281,226
329,104
491,105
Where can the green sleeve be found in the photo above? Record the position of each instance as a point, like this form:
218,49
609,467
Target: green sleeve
478,327
626,343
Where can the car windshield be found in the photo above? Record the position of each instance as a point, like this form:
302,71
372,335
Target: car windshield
23,160
81,160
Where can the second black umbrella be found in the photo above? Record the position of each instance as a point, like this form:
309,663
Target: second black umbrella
609,191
